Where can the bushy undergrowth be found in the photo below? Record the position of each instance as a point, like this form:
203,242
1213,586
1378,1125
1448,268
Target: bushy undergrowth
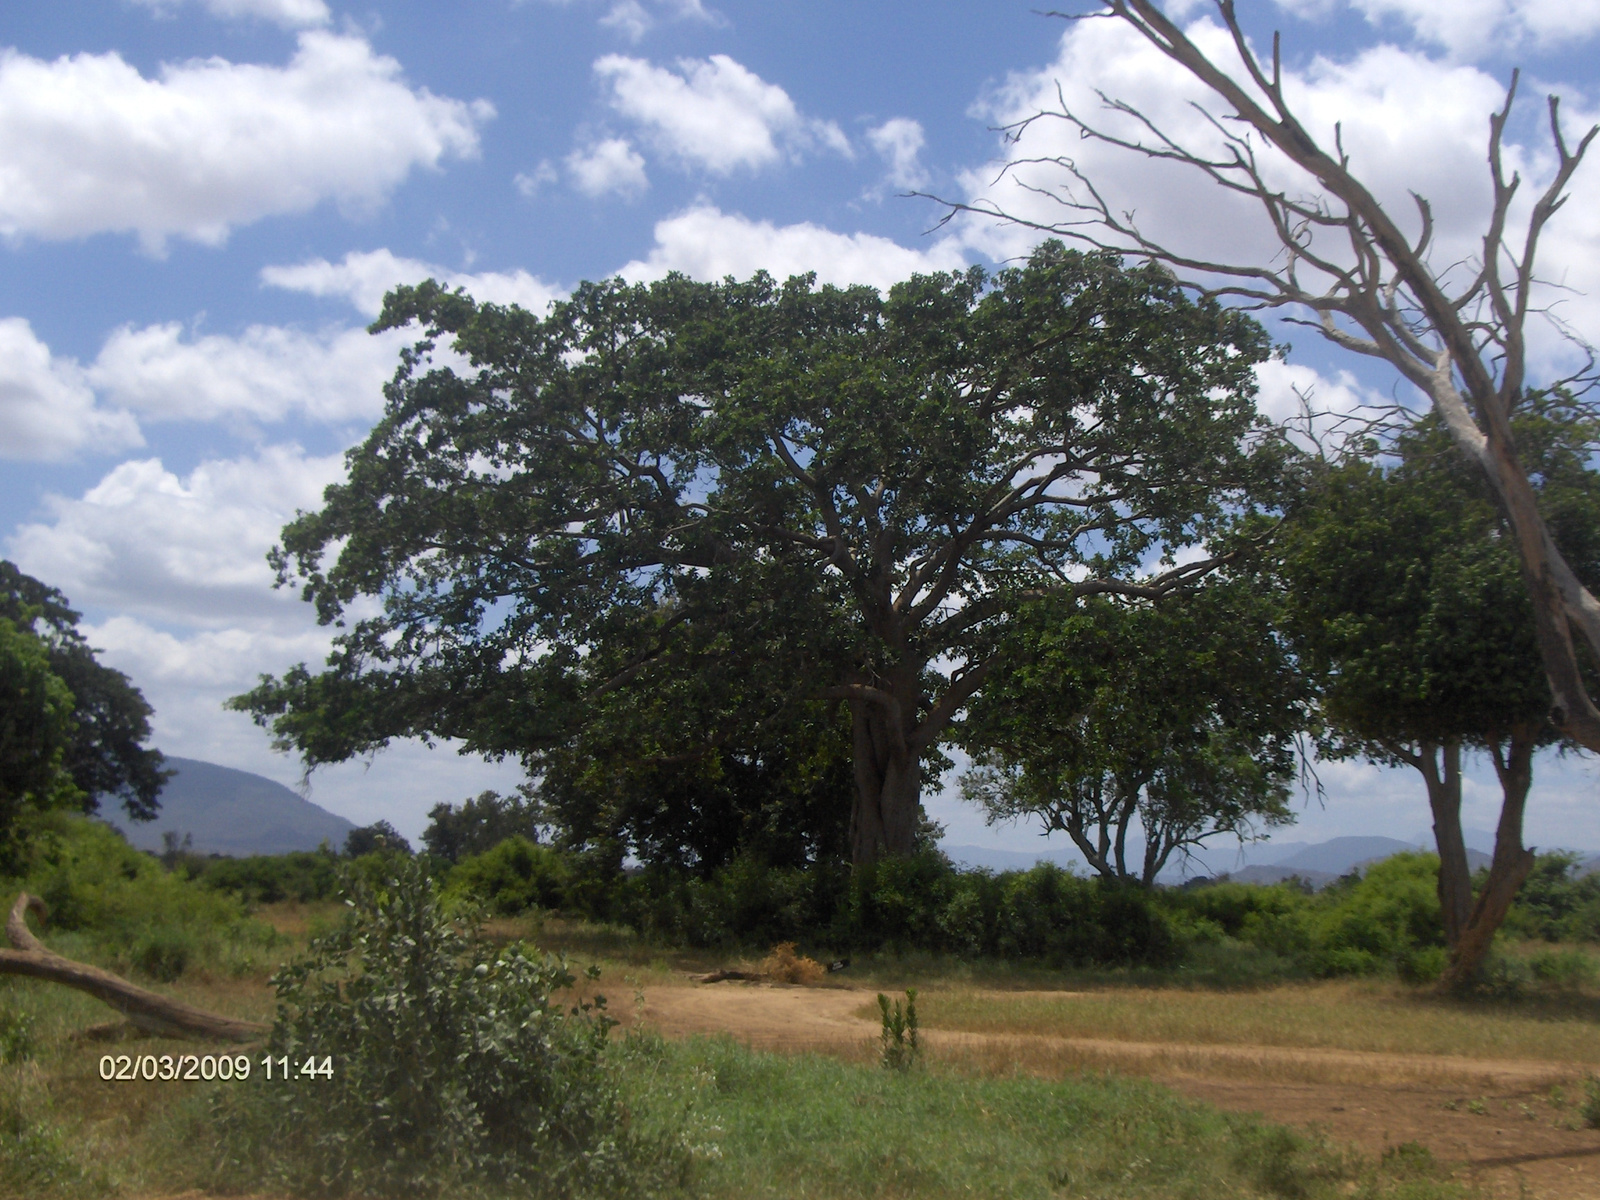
1386,919
454,1066
122,907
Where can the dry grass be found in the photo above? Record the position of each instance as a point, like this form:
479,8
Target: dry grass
1272,1025
783,965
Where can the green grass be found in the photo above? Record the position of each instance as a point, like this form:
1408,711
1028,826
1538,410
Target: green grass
808,1127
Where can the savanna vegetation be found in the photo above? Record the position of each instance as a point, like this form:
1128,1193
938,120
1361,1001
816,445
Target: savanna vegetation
730,569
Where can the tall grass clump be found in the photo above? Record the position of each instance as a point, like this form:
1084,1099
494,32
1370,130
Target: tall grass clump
455,1067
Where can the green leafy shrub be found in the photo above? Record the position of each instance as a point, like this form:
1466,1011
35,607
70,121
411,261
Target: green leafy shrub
303,875
1568,968
454,1066
513,877
127,909
1555,905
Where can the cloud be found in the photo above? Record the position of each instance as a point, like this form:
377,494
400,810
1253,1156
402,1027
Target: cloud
90,146
291,14
1475,28
529,183
362,278
1408,122
713,113
267,373
706,243
609,166
898,142
629,18
48,410
187,550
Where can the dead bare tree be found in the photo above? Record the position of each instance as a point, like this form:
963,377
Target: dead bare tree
1368,288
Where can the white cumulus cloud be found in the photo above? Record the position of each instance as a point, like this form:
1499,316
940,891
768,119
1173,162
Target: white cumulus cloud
362,278
706,243
267,373
89,145
899,142
184,549
48,410
713,113
1410,123
1473,28
611,165
291,14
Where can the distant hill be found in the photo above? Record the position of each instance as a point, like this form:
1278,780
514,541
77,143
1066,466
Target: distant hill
233,812
1260,862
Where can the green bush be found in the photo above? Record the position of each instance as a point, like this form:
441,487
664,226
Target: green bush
303,875
130,911
513,877
454,1066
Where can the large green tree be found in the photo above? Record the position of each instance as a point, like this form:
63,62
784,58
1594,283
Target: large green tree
107,756
1406,603
737,498
1175,722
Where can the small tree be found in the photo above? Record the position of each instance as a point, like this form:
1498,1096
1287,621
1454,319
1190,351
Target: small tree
1410,613
743,498
479,824
1174,722
1348,270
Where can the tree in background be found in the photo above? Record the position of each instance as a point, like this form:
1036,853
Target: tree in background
479,824
1405,603
107,756
1175,722
1457,332
36,732
374,839
751,499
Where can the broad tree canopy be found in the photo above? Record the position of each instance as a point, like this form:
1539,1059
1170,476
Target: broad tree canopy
1175,722
690,498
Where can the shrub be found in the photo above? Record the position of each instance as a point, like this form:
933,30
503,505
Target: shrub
786,966
302,875
454,1066
133,913
513,877
898,1046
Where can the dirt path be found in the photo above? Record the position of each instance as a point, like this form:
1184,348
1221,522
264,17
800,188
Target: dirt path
1493,1116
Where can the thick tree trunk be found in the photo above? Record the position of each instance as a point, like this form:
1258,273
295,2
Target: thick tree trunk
1444,799
888,779
151,1012
1511,865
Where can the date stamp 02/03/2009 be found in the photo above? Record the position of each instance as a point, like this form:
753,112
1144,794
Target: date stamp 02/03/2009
206,1067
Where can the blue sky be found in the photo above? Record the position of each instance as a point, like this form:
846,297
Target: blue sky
201,203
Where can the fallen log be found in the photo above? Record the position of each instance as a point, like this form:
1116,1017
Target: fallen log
724,975
151,1012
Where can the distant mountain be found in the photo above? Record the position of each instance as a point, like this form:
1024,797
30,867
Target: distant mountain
1317,863
233,812
1340,856
989,859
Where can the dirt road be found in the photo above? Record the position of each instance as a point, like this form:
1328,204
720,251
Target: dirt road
1494,1117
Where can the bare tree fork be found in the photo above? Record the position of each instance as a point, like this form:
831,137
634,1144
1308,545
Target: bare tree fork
153,1013
1463,346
